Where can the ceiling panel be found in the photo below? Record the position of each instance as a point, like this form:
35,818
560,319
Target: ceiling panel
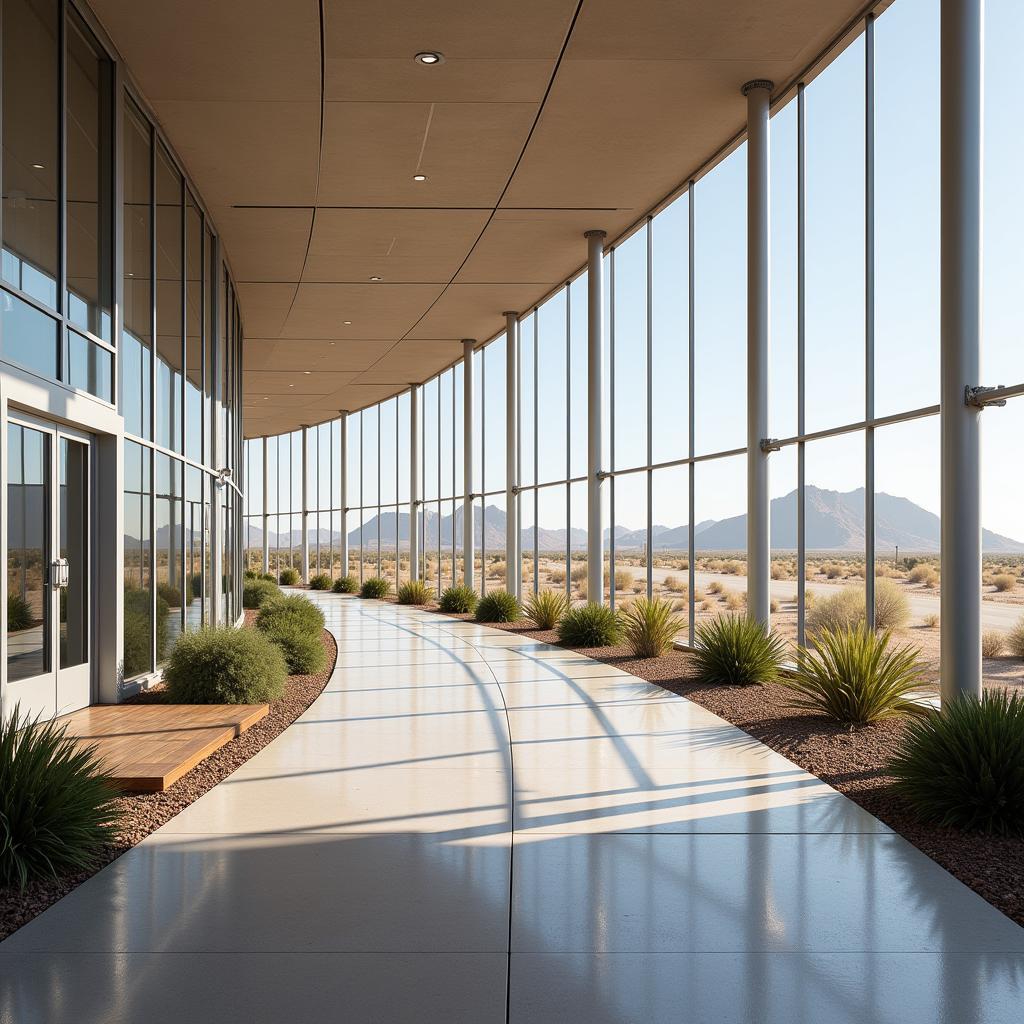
266,307
411,361
265,244
473,311
287,353
385,311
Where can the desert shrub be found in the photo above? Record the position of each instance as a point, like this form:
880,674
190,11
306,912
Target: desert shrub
706,606
321,581
546,608
923,573
55,802
856,676
714,587
649,627
496,571
735,602
842,610
833,571
293,609
249,574
224,665
256,593
498,606
1015,640
557,576
590,625
736,649
268,576
674,585
773,605
172,595
415,592
19,614
892,609
302,649
345,585
963,767
289,577
993,643
931,621
375,587
578,573
458,600
623,579
1004,582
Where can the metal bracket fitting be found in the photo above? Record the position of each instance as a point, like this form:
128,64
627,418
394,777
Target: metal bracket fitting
770,444
980,397
603,474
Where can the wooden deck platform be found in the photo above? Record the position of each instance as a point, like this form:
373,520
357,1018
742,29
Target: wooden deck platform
148,747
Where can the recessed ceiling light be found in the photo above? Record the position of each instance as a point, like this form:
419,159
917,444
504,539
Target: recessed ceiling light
374,278
307,372
291,385
265,397
37,167
429,57
419,177
347,323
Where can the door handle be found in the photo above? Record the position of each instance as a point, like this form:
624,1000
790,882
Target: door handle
59,573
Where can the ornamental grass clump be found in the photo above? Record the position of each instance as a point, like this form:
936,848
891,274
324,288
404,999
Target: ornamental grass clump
415,592
224,665
56,813
649,627
498,606
345,585
289,577
321,581
857,677
458,600
590,625
737,650
256,593
963,767
375,588
546,608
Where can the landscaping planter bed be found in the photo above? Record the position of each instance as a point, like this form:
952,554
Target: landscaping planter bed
146,812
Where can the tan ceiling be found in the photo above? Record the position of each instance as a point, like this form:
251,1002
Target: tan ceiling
548,117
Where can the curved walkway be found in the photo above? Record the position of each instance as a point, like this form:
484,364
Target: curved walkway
471,826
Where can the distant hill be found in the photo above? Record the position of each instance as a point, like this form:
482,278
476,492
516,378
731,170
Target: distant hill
834,522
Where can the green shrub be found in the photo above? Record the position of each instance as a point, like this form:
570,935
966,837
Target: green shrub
964,766
649,627
195,585
321,581
498,606
303,650
55,809
892,609
590,625
172,595
256,593
414,592
250,574
138,617
224,665
856,676
19,614
456,600
345,585
289,577
375,587
291,609
736,649
546,608
268,576
1015,640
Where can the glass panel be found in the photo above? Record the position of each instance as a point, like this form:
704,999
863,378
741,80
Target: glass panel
87,366
27,335
208,491
670,329
528,379
494,416
193,590
138,594
552,442
209,342
577,582
720,537
783,478
630,333
193,331
168,523
458,430
631,551
429,438
551,538
446,445
404,467
388,453
89,198
168,304
578,377
137,333
73,537
527,518
30,147
670,493
28,552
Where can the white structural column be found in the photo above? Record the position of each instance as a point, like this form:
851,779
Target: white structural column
343,472
513,572
595,398
467,464
264,519
960,205
305,504
757,93
414,482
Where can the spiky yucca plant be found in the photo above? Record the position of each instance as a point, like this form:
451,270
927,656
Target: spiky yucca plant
964,765
650,626
736,649
375,587
546,608
856,676
498,606
458,600
55,810
415,592
590,625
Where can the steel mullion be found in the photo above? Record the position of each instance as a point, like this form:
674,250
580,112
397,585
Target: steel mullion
611,424
801,338
869,319
568,437
536,454
691,397
650,415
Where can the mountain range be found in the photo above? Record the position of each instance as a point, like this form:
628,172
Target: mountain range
834,521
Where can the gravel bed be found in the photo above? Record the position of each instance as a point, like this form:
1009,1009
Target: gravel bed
853,761
146,812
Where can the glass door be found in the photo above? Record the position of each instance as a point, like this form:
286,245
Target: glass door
48,569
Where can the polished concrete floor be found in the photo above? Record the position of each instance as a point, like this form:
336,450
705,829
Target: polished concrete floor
470,826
